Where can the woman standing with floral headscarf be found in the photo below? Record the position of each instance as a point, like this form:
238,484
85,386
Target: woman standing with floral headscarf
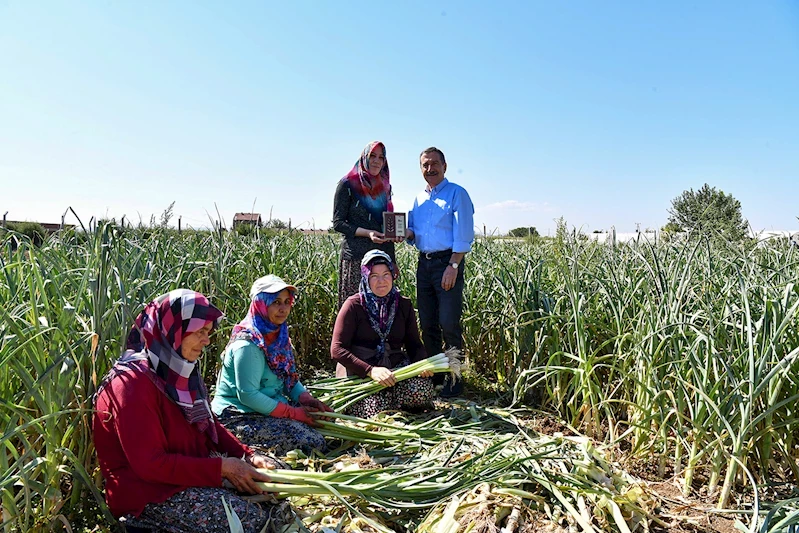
160,449
361,197
259,396
376,332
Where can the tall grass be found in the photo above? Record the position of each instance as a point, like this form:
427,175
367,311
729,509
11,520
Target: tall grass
685,353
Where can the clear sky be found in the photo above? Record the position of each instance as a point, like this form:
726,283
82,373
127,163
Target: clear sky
600,112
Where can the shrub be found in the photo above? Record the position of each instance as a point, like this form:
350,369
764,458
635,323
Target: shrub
32,230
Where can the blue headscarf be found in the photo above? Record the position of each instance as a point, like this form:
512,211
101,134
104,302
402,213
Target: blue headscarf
272,339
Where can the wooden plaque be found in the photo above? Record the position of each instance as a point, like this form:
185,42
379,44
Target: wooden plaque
393,225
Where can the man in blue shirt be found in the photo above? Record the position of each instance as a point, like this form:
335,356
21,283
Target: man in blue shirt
441,226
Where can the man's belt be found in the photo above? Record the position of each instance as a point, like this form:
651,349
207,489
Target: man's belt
435,255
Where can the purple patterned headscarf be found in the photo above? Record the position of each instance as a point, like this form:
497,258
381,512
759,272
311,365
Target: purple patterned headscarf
380,310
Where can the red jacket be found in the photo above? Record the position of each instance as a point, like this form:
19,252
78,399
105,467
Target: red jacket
146,448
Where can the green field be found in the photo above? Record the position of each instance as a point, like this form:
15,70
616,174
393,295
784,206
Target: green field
677,356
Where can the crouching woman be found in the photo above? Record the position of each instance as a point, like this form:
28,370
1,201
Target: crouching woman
376,333
162,453
259,396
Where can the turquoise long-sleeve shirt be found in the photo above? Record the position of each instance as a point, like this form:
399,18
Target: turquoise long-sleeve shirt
247,383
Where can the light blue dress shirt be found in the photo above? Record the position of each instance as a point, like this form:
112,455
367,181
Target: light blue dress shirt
442,218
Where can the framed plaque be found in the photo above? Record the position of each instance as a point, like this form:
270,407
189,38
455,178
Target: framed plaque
393,225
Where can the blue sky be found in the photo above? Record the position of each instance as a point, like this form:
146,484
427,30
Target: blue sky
600,112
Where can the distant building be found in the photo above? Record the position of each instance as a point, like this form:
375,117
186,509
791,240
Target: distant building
252,219
764,236
611,237
651,236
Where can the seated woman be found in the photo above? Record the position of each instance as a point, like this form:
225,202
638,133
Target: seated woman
159,446
259,396
376,332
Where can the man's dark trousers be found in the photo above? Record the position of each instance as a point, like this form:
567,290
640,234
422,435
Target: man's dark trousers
439,310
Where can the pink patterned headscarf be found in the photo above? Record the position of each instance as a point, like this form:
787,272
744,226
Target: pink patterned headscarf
154,346
373,191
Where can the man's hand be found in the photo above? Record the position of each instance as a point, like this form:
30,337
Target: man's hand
409,234
383,375
242,475
449,278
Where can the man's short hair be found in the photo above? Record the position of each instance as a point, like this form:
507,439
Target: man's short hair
436,150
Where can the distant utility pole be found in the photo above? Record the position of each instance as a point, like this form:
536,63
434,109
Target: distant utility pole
4,218
179,218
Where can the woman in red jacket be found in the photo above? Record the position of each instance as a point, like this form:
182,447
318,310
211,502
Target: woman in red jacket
162,452
376,333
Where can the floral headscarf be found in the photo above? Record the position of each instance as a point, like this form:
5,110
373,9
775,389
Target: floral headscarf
374,192
272,339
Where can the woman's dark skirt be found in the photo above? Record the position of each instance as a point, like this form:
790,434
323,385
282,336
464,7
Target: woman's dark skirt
349,279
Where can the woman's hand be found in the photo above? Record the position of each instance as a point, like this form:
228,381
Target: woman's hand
259,461
300,414
303,414
426,374
309,401
383,375
242,475
374,236
377,237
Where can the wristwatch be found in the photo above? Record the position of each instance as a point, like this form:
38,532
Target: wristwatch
454,265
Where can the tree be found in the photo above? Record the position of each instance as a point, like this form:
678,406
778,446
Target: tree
275,223
523,232
670,231
709,212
